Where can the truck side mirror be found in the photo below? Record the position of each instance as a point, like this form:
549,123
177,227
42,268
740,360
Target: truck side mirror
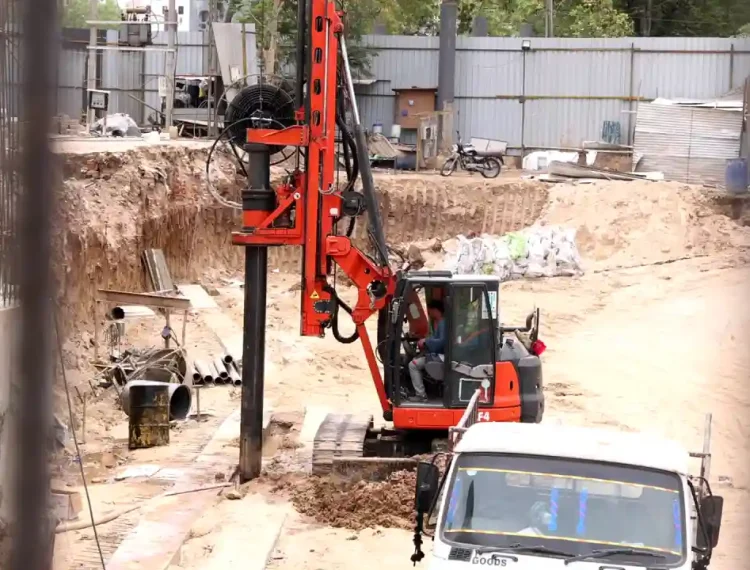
428,481
711,511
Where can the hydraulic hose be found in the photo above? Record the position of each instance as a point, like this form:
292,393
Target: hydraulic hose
350,148
338,304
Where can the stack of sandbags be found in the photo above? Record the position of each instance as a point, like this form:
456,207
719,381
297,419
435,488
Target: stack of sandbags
538,251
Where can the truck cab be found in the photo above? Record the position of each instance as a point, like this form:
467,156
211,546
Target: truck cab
529,496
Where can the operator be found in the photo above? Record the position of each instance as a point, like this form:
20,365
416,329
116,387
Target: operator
434,345
539,517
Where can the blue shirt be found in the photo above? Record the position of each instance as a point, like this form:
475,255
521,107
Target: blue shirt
436,343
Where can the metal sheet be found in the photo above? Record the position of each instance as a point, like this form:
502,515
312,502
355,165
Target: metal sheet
687,144
234,66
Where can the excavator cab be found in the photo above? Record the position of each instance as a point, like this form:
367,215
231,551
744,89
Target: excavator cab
478,354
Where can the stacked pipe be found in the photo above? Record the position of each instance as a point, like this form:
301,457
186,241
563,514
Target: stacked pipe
221,369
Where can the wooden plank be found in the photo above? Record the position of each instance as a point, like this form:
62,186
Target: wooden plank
199,297
146,299
158,271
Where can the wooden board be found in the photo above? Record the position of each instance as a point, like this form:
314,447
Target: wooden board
199,297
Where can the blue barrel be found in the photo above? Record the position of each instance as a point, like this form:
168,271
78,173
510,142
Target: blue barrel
406,161
736,177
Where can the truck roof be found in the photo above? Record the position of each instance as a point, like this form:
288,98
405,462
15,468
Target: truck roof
593,444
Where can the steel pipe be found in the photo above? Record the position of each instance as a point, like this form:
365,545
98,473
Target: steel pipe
234,375
216,373
219,364
204,370
180,398
195,374
227,358
131,312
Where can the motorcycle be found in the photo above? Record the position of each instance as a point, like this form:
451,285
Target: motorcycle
487,163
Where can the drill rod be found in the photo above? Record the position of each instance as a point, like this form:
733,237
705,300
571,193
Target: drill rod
254,333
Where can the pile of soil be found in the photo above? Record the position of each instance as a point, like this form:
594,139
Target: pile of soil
629,223
359,505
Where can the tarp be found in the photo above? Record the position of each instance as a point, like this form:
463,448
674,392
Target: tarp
538,251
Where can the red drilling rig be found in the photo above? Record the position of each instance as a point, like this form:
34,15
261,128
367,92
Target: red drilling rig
319,118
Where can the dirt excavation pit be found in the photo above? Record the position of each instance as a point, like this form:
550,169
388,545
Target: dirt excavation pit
117,205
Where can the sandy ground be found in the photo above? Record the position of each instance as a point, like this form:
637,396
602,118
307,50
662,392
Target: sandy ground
645,340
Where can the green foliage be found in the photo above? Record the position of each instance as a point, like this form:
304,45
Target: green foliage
276,23
706,18
573,18
595,19
76,12
411,17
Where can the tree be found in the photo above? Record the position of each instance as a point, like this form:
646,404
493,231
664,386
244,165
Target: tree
573,18
76,12
710,18
276,27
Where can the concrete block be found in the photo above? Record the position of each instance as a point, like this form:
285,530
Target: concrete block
67,504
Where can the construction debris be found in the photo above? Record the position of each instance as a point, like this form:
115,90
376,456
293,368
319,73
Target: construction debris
567,170
64,125
160,364
116,125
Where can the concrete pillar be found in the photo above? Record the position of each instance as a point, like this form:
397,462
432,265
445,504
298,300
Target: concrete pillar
379,29
526,31
479,27
447,58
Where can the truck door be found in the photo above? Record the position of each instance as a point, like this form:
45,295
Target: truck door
470,350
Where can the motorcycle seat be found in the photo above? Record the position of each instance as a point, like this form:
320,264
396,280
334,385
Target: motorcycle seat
487,153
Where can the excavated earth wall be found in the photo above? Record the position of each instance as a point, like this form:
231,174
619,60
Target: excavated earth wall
115,205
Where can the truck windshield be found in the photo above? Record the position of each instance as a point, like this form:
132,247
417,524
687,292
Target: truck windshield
573,506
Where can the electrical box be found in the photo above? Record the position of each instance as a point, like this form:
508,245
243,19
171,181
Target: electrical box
135,35
98,99
411,103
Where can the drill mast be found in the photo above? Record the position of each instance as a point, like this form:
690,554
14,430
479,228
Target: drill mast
304,211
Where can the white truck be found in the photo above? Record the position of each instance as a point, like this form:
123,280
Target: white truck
542,496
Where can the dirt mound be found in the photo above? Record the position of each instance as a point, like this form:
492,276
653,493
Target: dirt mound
359,505
114,205
629,223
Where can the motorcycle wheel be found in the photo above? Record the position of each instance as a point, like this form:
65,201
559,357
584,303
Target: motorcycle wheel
491,167
449,166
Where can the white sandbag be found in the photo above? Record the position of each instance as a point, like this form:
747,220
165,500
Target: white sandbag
538,251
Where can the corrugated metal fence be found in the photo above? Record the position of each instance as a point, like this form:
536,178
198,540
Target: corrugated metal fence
132,77
560,92
557,94
10,177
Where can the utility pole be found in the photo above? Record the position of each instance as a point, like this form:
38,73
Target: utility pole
646,25
171,61
446,69
213,16
549,28
93,54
